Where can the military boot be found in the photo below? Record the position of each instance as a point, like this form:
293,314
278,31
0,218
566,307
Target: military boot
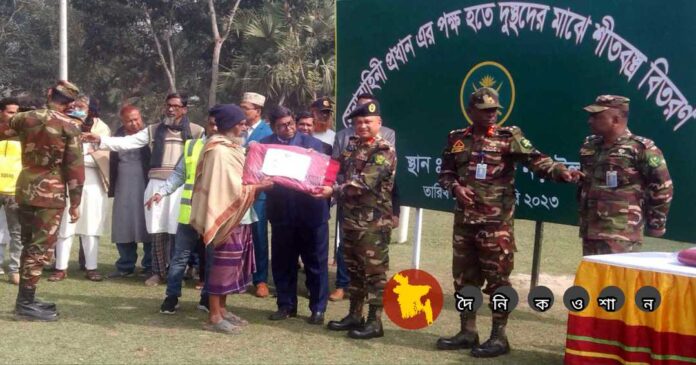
27,309
498,343
353,320
466,338
373,326
48,306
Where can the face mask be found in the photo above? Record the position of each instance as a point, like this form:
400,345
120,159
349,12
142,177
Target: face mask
76,113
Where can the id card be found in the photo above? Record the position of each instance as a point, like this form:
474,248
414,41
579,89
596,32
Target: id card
612,179
481,170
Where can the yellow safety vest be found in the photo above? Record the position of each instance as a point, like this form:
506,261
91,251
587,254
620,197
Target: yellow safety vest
10,166
192,151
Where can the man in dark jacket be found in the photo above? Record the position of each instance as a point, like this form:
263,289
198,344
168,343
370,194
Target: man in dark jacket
299,226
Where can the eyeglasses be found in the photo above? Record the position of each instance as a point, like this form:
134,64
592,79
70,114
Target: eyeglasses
174,106
285,125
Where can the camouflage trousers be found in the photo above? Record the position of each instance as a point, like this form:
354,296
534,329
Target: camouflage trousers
39,235
603,247
482,252
366,254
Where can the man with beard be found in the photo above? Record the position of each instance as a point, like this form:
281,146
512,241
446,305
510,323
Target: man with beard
166,140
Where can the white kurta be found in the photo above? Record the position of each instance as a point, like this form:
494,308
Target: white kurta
92,206
326,137
162,217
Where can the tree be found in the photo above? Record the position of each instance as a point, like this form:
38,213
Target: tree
29,37
218,41
286,52
283,49
169,67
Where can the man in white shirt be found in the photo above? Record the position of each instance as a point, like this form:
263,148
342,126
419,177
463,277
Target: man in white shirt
322,111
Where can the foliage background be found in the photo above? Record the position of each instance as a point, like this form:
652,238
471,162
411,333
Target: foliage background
282,49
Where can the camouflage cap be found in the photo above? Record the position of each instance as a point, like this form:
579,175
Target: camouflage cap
365,110
68,89
485,98
323,103
604,102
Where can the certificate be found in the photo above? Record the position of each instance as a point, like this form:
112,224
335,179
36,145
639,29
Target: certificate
285,163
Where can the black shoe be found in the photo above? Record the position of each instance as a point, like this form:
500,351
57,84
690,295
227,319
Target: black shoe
47,306
492,348
347,323
143,273
371,329
316,318
119,274
496,345
462,340
170,304
26,308
283,313
373,325
204,304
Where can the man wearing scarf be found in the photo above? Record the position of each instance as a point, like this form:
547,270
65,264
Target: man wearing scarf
94,199
166,140
221,212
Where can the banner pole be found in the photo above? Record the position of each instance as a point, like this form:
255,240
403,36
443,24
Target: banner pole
403,224
536,258
415,260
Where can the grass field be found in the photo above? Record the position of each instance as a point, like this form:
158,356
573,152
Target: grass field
117,321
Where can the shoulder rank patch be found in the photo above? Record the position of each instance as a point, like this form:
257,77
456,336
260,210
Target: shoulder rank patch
458,147
654,161
379,160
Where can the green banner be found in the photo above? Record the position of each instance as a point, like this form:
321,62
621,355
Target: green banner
548,59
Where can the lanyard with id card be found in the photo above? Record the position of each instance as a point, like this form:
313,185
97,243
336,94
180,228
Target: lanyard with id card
481,168
612,179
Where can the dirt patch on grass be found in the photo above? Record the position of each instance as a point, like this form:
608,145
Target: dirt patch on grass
557,283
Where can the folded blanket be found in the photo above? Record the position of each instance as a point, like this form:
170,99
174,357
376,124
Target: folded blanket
294,167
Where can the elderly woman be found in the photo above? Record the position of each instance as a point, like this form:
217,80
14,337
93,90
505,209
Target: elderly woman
221,212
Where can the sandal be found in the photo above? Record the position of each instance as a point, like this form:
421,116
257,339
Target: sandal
58,275
235,319
223,327
93,275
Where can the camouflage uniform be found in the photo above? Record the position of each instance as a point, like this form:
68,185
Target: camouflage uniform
613,213
483,240
51,160
369,168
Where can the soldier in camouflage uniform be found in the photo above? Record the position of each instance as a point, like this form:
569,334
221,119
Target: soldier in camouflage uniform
478,167
52,160
626,183
368,166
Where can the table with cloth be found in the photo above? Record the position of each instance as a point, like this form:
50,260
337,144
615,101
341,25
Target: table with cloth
630,335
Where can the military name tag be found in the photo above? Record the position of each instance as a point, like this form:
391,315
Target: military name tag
612,179
481,170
